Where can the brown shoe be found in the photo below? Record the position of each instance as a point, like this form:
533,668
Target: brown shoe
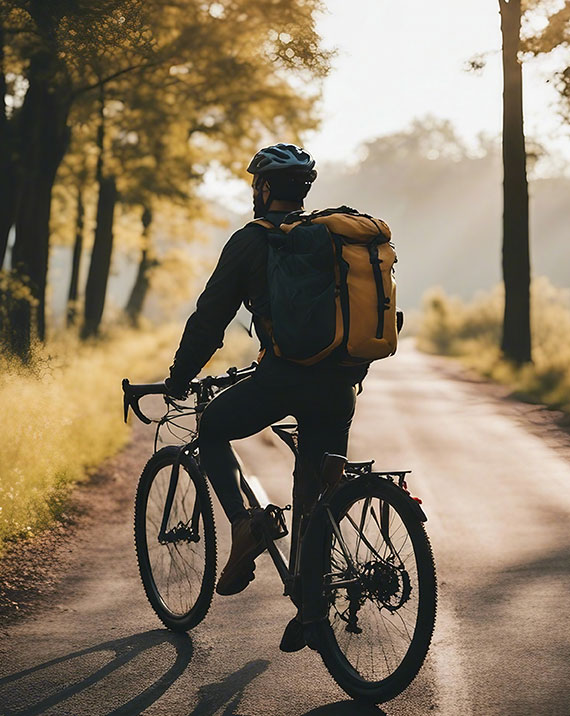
247,544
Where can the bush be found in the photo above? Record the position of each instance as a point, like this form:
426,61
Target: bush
472,331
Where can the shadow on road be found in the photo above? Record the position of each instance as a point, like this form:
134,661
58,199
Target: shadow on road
346,708
12,694
229,691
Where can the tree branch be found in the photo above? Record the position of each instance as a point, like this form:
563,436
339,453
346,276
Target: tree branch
104,80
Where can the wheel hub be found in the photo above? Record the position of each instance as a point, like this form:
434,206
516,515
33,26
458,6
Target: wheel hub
386,584
181,533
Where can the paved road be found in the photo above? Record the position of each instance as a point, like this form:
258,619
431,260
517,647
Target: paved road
498,500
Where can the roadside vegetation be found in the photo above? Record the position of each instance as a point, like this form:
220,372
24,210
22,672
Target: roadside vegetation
471,331
62,415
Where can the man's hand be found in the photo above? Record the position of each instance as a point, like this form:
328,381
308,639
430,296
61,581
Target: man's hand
178,390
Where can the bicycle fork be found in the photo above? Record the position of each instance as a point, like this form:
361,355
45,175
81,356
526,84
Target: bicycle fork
187,531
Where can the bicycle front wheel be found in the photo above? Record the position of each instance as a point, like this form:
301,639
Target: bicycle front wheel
177,557
380,585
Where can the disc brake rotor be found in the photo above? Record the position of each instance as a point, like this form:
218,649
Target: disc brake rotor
387,585
380,582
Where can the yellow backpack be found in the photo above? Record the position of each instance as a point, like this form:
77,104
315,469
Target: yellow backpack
331,287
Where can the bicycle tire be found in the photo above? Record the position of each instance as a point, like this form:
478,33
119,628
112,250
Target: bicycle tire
195,609
346,674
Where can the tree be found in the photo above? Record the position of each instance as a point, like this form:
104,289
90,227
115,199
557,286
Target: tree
73,293
516,339
100,264
211,96
135,304
227,65
49,50
7,187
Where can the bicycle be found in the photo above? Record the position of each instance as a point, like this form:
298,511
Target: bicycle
362,572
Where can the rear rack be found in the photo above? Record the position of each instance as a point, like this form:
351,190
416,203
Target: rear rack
359,468
365,468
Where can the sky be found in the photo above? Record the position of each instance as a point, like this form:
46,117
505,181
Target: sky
401,59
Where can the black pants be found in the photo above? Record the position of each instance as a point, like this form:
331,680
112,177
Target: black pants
321,398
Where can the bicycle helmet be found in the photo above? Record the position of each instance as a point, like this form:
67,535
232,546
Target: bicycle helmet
281,157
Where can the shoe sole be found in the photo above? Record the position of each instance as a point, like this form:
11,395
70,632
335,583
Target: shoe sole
239,586
295,642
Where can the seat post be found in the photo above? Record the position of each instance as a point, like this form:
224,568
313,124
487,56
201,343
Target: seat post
332,468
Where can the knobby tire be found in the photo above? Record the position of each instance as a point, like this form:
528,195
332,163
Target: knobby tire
340,668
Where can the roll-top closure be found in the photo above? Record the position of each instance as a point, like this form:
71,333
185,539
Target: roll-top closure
355,227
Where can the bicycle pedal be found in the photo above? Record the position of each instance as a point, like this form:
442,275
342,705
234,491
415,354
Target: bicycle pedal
275,521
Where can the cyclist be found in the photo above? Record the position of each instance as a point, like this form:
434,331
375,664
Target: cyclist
321,397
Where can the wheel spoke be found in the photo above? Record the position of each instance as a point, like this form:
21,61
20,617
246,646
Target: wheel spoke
374,625
177,567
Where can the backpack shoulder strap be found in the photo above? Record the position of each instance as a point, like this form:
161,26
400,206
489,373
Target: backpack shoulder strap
261,222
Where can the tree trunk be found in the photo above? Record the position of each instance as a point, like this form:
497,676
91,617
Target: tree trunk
8,198
43,138
17,309
136,300
3,114
14,308
516,342
76,261
100,264
7,177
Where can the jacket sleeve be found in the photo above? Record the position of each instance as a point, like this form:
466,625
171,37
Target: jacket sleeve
215,308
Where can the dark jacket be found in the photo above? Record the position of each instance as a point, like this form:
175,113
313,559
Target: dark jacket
239,277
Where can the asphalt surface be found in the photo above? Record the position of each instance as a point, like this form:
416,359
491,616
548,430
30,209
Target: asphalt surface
497,494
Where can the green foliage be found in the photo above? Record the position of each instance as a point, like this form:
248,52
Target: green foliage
472,331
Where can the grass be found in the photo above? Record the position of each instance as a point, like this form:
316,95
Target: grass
63,415
472,332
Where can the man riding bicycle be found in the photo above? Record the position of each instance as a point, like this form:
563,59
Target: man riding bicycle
321,396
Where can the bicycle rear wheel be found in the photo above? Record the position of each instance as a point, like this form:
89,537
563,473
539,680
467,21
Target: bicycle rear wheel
177,564
380,585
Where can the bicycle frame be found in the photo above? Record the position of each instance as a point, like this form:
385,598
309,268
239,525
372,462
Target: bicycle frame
281,564
295,573
348,560
290,571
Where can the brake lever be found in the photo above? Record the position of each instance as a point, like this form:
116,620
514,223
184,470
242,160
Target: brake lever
132,402
126,403
138,412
